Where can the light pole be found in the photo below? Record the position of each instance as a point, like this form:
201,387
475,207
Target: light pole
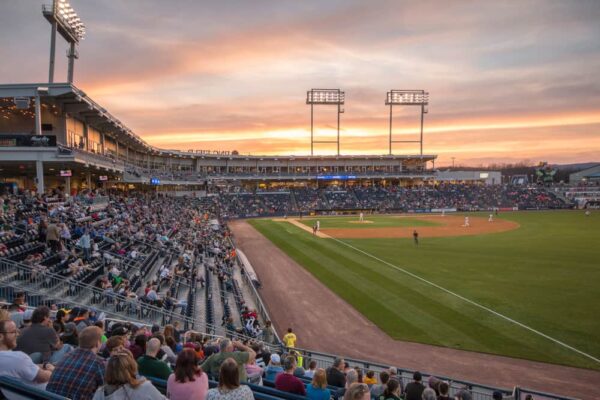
325,97
407,98
65,21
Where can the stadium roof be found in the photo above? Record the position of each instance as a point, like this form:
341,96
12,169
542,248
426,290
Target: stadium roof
77,103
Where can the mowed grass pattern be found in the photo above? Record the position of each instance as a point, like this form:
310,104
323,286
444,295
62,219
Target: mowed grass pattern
374,221
544,275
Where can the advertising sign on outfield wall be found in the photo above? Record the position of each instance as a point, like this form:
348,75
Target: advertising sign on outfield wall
444,210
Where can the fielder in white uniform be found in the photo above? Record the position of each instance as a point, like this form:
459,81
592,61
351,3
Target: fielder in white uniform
491,218
466,222
318,226
360,217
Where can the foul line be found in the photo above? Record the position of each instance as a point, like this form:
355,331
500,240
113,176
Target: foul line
470,301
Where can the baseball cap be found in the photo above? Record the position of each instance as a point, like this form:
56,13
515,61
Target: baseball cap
275,358
70,329
27,315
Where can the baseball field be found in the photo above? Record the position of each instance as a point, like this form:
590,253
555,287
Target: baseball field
525,285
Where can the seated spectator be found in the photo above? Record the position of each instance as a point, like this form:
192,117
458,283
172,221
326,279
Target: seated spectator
149,365
429,394
81,372
122,382
444,388
335,374
245,355
370,379
357,391
464,394
40,340
392,391
351,377
414,389
229,384
377,389
17,364
286,381
274,368
312,368
69,336
254,373
188,381
138,347
317,389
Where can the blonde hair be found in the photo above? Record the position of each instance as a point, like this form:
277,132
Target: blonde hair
122,369
319,379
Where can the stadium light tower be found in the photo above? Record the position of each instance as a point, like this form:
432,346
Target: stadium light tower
325,97
63,19
407,98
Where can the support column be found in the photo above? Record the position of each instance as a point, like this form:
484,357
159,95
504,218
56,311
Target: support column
72,56
88,179
86,141
39,169
52,53
68,185
38,115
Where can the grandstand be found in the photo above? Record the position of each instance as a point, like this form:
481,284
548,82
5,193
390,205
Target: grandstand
101,225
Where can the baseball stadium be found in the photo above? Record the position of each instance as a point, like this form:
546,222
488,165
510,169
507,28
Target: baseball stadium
129,270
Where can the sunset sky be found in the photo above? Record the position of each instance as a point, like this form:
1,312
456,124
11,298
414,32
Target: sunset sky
508,81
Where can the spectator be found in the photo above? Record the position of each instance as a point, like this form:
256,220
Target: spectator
188,381
53,236
463,394
428,394
17,364
392,391
274,368
245,355
414,390
286,381
317,389
497,395
351,377
122,382
229,384
69,336
138,347
370,379
289,339
377,389
268,334
40,340
81,372
335,374
312,368
149,365
444,388
357,391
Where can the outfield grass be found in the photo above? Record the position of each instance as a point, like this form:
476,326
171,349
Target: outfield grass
545,274
376,221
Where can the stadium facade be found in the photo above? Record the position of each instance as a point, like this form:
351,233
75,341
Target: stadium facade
56,135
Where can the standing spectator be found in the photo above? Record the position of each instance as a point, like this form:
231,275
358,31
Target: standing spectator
351,377
317,390
268,334
17,364
149,365
40,340
122,382
53,236
245,356
286,381
188,381
289,339
229,384
86,244
82,371
335,374
370,379
429,394
414,390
